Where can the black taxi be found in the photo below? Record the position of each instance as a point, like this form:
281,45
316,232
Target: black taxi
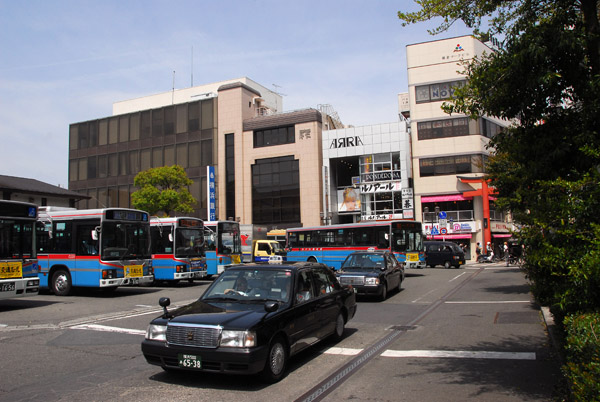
252,319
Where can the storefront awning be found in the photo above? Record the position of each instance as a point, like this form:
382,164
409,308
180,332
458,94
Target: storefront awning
501,235
447,197
450,236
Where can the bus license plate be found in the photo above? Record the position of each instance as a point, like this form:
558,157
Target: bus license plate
189,361
11,269
7,287
134,271
412,257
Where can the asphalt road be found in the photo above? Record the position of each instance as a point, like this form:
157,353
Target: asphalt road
449,335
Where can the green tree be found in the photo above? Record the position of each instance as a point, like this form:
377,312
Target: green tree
546,165
163,189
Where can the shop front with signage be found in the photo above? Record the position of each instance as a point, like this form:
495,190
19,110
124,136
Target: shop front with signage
370,173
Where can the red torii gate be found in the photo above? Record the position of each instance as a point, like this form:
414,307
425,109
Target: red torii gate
484,192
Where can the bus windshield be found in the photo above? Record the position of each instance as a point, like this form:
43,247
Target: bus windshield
406,240
121,240
189,242
16,239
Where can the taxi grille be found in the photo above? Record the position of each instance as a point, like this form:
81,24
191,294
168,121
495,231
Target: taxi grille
352,280
199,336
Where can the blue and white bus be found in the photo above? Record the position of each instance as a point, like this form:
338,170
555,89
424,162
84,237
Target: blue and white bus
223,245
177,249
18,261
332,244
96,248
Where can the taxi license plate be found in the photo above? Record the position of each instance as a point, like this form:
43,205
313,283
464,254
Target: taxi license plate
189,361
134,271
7,287
11,270
412,257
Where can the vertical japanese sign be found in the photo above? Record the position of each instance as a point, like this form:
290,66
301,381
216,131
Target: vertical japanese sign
212,197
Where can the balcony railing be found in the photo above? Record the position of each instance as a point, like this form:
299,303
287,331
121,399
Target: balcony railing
461,216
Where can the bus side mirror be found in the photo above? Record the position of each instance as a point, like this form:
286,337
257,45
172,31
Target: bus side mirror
170,237
96,233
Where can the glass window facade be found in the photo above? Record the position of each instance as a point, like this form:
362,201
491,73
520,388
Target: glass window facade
95,175
274,136
381,191
454,164
276,190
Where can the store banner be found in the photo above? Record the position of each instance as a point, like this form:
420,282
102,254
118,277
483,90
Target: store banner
381,187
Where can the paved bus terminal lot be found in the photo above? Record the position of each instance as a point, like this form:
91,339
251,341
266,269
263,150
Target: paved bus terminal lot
459,334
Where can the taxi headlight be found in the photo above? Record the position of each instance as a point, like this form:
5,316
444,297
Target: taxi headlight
238,339
371,281
156,333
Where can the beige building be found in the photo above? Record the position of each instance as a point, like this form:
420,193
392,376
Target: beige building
446,148
267,163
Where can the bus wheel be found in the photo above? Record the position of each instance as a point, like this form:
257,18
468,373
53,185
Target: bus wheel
61,283
312,259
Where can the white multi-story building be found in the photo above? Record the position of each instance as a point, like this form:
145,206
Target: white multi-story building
448,150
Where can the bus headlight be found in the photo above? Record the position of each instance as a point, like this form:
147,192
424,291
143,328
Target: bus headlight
156,333
238,339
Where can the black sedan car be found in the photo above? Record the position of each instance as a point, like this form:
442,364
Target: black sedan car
251,320
372,273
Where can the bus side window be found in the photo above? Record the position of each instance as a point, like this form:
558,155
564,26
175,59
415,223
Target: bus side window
85,244
62,237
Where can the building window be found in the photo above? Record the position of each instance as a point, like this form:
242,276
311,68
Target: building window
229,176
91,167
157,122
380,167
276,190
113,131
437,92
449,165
194,116
103,132
146,124
170,120
490,129
443,128
124,129
274,136
134,127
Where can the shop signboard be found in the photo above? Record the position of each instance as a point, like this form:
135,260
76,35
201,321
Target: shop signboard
381,187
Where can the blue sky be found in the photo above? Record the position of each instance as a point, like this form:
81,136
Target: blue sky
63,62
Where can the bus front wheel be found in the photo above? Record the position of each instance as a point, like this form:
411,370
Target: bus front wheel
312,259
61,283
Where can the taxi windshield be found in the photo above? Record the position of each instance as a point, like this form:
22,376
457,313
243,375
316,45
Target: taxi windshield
251,284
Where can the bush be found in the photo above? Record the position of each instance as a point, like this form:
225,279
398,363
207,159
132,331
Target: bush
582,365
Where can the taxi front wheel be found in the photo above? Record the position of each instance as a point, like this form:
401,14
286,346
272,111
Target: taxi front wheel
276,363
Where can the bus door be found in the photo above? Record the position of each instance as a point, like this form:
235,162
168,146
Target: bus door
87,270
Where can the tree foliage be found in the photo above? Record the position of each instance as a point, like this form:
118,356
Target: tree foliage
163,189
546,166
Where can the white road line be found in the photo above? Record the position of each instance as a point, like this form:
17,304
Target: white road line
456,277
461,354
487,302
416,300
104,328
342,351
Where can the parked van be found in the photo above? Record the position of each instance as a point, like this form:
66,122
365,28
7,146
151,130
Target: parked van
443,253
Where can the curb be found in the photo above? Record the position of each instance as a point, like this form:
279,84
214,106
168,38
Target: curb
552,331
